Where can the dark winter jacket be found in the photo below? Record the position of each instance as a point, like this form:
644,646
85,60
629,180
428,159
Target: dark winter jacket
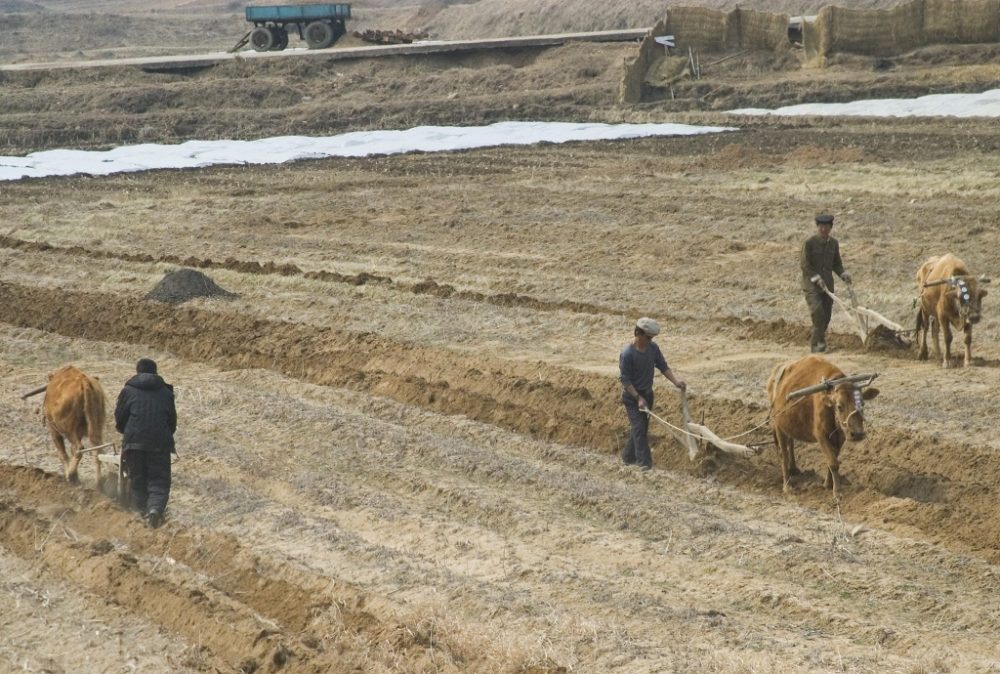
145,414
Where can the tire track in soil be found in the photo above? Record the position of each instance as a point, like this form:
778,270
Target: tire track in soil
215,593
947,488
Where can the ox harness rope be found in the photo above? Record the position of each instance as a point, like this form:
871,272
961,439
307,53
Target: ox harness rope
755,446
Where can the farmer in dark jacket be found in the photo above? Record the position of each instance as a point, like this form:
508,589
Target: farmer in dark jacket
145,415
636,365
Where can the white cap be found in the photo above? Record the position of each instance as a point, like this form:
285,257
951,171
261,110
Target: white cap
648,325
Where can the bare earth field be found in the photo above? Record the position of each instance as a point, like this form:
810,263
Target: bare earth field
397,448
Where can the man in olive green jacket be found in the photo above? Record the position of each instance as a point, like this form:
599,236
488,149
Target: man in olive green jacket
820,260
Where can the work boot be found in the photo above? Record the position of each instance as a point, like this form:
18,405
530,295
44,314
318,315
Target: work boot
153,518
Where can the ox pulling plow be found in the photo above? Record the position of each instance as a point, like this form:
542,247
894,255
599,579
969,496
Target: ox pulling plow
117,488
696,436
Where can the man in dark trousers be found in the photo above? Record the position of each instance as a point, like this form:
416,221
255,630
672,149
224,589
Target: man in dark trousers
820,260
636,369
145,415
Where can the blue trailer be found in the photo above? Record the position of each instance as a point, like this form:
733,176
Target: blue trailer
319,25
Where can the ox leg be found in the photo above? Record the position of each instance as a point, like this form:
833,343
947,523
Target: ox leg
57,440
946,329
921,335
793,468
968,344
785,448
72,470
936,336
832,480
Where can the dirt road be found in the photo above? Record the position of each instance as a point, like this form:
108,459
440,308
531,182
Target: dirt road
397,445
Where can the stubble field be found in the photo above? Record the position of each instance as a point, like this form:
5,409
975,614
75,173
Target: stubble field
397,447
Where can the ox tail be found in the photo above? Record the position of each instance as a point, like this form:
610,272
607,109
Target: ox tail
93,409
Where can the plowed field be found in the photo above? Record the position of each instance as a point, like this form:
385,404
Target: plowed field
397,445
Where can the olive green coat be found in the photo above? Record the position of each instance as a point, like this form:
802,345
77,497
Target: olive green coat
820,257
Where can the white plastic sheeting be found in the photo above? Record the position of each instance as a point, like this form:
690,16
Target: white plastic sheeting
201,153
986,104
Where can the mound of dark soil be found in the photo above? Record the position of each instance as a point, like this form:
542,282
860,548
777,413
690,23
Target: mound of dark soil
181,285
884,339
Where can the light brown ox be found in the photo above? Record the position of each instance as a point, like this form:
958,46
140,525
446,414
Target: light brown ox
827,417
74,408
956,301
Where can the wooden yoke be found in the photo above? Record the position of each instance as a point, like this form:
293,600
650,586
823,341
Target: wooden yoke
34,392
828,384
951,280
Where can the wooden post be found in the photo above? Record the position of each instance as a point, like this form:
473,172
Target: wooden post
689,442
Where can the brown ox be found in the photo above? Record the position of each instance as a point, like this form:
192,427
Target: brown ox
828,417
954,301
73,409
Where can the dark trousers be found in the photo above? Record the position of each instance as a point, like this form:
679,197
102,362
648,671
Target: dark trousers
820,309
636,450
149,476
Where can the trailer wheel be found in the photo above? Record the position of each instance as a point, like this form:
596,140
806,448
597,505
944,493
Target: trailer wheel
319,35
280,38
262,38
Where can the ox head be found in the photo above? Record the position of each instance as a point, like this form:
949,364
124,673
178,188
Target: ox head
847,401
968,296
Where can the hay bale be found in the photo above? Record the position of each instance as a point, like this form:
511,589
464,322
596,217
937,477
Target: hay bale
876,32
698,28
630,89
180,285
961,21
701,29
902,28
751,29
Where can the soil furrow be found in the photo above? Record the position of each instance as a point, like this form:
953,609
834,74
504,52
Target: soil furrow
515,396
198,583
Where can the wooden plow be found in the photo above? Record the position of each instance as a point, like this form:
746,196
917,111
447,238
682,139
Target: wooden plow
695,437
121,489
866,321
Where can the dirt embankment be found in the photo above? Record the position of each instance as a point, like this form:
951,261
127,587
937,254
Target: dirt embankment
298,96
97,108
